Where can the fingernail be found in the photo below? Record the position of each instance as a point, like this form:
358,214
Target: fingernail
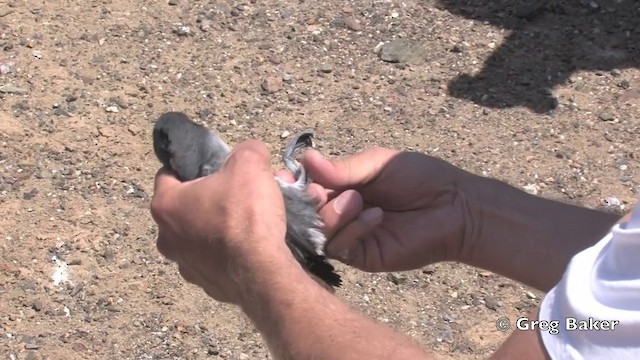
371,215
345,202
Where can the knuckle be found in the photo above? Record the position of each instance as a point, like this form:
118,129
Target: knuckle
164,246
187,274
158,207
254,150
250,155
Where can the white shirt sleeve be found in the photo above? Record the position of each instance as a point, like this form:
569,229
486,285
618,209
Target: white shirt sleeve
601,283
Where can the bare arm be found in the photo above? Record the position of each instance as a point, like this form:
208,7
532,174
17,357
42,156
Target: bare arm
301,320
527,238
526,345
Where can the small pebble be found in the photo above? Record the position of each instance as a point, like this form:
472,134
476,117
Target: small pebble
5,69
205,25
106,131
285,134
531,189
31,346
10,89
402,51
182,30
275,59
352,24
45,174
173,2
606,116
377,48
272,84
36,305
326,68
460,48
60,112
396,279
112,109
72,106
491,303
30,195
612,201
134,129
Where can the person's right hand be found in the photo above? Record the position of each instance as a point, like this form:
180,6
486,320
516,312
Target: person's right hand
415,212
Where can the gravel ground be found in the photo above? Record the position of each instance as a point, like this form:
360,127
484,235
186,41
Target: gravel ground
541,95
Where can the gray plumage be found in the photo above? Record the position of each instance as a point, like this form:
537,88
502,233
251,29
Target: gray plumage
191,150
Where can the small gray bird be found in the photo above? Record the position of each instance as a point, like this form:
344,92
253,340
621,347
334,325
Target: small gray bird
191,151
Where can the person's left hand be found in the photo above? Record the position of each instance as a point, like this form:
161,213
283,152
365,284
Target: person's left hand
226,231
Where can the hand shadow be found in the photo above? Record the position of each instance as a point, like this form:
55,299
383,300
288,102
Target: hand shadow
549,41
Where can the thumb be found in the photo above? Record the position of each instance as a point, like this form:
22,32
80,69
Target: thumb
164,184
351,171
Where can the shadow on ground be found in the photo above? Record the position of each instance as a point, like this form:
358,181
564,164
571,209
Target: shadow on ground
549,41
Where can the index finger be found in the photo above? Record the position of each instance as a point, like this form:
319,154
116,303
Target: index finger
349,172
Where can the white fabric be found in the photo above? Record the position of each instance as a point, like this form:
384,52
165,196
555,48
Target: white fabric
602,283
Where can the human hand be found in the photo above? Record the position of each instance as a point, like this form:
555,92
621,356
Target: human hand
225,231
415,211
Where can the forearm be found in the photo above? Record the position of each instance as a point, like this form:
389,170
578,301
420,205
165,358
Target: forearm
528,238
301,320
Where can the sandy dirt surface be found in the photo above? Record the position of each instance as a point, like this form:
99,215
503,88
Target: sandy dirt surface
544,97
